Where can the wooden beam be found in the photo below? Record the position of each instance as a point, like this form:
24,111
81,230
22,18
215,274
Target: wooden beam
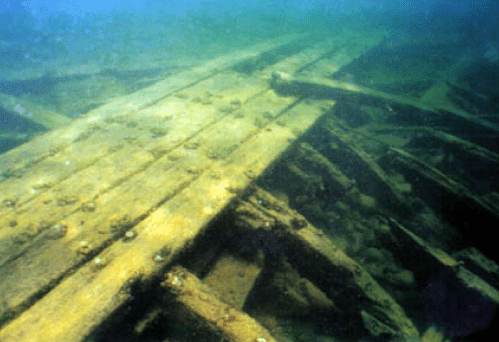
33,112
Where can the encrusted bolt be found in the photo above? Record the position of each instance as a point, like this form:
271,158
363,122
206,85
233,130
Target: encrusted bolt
129,235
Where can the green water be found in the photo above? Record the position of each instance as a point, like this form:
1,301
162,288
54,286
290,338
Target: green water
441,55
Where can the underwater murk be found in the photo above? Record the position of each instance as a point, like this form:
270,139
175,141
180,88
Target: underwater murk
249,171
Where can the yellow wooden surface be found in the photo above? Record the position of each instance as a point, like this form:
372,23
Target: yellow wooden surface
199,300
88,209
60,139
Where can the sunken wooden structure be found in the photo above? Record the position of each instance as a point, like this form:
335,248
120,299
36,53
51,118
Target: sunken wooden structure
166,212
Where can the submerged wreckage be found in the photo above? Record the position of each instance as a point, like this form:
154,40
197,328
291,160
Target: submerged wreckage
256,198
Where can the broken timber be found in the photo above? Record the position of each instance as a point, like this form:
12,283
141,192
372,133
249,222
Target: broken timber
323,88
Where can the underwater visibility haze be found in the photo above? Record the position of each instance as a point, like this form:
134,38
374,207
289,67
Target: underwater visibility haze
230,170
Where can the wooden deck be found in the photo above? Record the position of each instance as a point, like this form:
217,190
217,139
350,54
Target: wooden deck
163,161
94,207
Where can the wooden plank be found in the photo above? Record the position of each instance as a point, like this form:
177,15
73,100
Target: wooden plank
326,88
195,302
144,64
42,147
314,87
32,112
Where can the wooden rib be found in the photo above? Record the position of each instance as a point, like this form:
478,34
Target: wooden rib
196,302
